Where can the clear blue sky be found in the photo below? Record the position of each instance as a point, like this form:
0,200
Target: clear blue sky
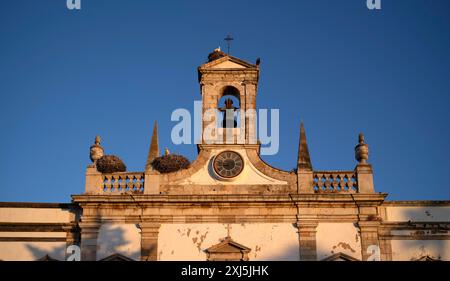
116,66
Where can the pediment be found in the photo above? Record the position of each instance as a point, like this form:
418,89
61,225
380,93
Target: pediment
427,258
228,250
117,257
340,257
227,62
47,258
228,246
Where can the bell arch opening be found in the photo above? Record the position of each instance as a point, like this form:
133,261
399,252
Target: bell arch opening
229,108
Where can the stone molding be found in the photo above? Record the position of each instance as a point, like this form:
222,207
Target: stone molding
89,235
369,237
149,240
418,203
307,230
225,208
270,171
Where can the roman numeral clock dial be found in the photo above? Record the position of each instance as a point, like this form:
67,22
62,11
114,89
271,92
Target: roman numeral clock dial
228,164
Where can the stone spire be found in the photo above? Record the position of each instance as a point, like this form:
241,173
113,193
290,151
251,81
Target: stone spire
304,161
154,148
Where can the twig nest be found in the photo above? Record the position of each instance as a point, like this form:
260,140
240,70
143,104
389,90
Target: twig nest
170,163
110,164
217,54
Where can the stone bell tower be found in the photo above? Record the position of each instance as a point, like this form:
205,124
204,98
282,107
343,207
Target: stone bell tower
228,123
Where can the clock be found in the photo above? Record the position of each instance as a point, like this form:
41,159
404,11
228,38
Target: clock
228,164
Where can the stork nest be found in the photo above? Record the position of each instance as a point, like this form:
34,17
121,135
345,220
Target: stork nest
170,163
216,55
110,164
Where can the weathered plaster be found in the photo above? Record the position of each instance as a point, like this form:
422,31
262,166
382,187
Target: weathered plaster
333,238
189,241
421,213
33,234
406,250
124,239
29,251
34,215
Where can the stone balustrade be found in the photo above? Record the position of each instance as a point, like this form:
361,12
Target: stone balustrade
335,182
323,182
127,182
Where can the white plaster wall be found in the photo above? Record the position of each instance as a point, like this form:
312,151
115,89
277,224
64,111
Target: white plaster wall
122,239
268,241
333,238
33,234
29,251
34,215
249,175
420,213
406,250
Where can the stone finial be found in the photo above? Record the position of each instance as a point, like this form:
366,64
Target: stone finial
361,150
154,148
304,160
166,151
96,151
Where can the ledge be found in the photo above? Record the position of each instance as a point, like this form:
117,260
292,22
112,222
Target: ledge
440,203
35,227
36,205
287,198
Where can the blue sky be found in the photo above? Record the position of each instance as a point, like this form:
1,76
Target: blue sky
114,67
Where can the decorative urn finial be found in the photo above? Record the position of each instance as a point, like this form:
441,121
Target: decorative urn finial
96,151
361,150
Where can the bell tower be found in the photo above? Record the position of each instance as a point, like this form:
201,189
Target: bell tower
228,87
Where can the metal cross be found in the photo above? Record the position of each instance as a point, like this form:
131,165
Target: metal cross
228,39
228,227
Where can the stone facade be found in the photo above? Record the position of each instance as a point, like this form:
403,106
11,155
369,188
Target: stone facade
262,213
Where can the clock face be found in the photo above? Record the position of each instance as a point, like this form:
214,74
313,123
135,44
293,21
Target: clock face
228,164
